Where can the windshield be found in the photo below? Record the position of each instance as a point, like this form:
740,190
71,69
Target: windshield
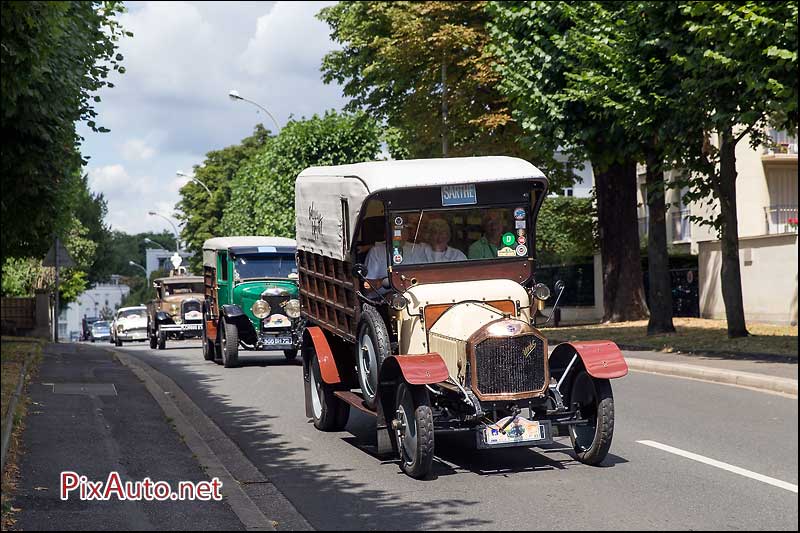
453,235
264,266
182,288
100,325
133,313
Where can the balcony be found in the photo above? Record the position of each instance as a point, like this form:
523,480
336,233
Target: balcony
781,219
783,147
681,226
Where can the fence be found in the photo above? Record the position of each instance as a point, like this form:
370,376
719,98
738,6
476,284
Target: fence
18,313
578,281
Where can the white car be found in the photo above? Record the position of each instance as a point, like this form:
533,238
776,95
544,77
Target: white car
130,324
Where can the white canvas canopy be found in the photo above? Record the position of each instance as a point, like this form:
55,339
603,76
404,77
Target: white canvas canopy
211,246
319,191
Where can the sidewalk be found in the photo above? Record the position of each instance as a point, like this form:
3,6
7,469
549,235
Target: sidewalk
91,415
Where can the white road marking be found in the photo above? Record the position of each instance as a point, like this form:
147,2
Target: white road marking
719,464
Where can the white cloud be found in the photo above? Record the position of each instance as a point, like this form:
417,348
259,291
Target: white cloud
137,149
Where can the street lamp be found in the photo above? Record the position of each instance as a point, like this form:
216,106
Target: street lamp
234,95
148,240
177,236
137,265
184,175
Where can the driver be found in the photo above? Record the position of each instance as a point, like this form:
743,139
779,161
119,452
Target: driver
376,257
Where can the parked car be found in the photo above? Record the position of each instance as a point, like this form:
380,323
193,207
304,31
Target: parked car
251,300
177,310
130,324
86,326
418,287
101,331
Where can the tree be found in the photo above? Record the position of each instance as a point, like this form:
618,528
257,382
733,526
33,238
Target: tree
423,69
547,73
566,229
55,57
201,212
262,192
740,71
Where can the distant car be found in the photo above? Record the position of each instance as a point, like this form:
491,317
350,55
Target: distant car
177,310
86,326
130,324
101,331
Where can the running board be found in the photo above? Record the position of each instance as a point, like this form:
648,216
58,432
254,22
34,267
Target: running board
354,399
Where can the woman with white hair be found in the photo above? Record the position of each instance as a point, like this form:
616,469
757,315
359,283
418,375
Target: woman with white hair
437,232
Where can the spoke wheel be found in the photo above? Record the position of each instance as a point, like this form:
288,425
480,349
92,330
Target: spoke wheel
413,425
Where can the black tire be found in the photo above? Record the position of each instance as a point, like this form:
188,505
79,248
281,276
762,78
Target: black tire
229,345
413,425
372,348
328,412
153,340
593,400
161,336
117,342
290,355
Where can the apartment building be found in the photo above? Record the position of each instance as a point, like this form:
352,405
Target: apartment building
766,205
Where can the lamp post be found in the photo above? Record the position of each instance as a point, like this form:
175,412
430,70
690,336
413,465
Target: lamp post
184,175
148,240
137,265
177,236
234,95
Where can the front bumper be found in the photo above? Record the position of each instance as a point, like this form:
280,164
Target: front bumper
132,335
184,327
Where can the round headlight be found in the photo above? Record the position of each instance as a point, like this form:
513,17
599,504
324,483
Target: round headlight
541,291
292,308
397,301
260,309
174,308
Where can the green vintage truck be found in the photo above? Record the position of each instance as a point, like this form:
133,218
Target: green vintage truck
251,297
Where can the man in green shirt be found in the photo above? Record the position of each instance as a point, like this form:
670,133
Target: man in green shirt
486,247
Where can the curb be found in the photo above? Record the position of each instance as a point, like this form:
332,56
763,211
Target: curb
716,375
8,423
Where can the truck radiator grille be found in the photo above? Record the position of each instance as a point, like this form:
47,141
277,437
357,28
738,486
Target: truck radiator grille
510,365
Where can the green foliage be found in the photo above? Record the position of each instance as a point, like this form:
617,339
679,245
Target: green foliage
566,229
202,213
123,248
55,57
391,64
262,196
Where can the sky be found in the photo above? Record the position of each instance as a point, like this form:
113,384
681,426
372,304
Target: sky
171,106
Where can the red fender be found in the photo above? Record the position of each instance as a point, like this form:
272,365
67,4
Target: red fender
419,369
602,359
327,364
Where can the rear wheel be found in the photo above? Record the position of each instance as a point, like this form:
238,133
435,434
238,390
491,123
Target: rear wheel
230,344
162,338
117,342
290,355
153,339
372,349
329,412
592,399
413,425
209,348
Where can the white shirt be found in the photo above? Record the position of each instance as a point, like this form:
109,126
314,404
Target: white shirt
450,254
376,258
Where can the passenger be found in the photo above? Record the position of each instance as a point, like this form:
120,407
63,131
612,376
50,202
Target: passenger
486,247
411,253
437,249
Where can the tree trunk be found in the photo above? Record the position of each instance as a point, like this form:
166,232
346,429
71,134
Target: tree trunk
725,186
623,287
660,286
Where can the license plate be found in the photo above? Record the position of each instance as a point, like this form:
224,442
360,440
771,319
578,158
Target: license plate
268,341
520,430
459,195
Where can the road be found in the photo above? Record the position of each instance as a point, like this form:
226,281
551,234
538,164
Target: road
647,482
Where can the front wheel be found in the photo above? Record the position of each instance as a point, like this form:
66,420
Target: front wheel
230,344
328,412
153,340
290,355
413,425
117,342
162,338
593,401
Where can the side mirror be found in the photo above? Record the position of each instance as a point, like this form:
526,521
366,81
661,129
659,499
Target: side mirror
360,271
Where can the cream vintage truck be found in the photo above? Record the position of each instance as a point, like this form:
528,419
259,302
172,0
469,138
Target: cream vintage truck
419,294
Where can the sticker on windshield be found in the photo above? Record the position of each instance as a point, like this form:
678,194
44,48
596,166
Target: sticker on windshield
397,259
398,221
520,224
521,239
520,232
509,239
506,252
519,213
522,250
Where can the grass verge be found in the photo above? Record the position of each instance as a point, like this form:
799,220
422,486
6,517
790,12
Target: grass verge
14,351
692,335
